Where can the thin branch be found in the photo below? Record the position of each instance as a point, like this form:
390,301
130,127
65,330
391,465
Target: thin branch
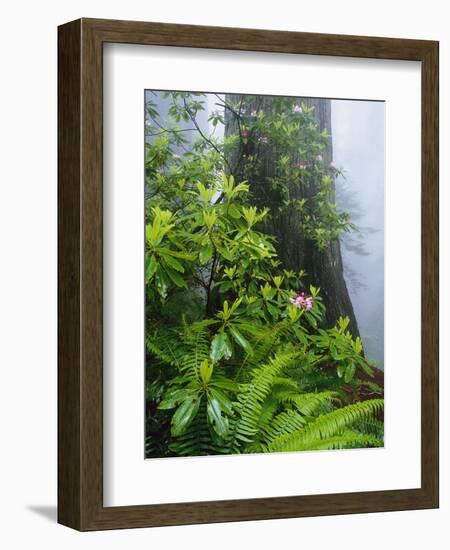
172,130
238,116
164,128
211,279
211,143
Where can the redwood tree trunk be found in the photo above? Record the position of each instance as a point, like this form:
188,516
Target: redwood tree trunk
324,268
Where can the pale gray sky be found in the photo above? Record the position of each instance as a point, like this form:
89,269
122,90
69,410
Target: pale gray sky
358,146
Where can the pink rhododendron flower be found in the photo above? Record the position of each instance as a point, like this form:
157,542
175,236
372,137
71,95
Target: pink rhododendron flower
301,165
302,301
297,109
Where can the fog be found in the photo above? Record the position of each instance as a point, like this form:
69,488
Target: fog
358,147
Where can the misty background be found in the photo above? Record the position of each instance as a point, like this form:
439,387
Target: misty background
358,147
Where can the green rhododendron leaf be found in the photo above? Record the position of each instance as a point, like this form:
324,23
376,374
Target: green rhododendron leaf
151,264
176,278
218,422
206,253
220,347
241,340
184,415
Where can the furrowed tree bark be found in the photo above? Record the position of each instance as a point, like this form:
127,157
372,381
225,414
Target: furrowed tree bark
325,268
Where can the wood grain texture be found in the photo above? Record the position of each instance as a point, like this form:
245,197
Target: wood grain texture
69,245
430,272
80,315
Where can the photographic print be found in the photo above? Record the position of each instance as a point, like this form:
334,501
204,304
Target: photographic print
231,274
264,273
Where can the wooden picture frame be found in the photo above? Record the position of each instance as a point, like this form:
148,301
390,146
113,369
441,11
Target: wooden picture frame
80,271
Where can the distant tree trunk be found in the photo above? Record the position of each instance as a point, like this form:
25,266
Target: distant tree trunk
324,268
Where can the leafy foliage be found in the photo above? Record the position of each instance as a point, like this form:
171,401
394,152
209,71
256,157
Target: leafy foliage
238,360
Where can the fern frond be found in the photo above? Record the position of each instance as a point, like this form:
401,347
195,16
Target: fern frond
286,422
371,426
268,410
184,347
326,426
250,401
318,380
263,343
347,440
284,384
196,338
198,439
167,346
309,404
